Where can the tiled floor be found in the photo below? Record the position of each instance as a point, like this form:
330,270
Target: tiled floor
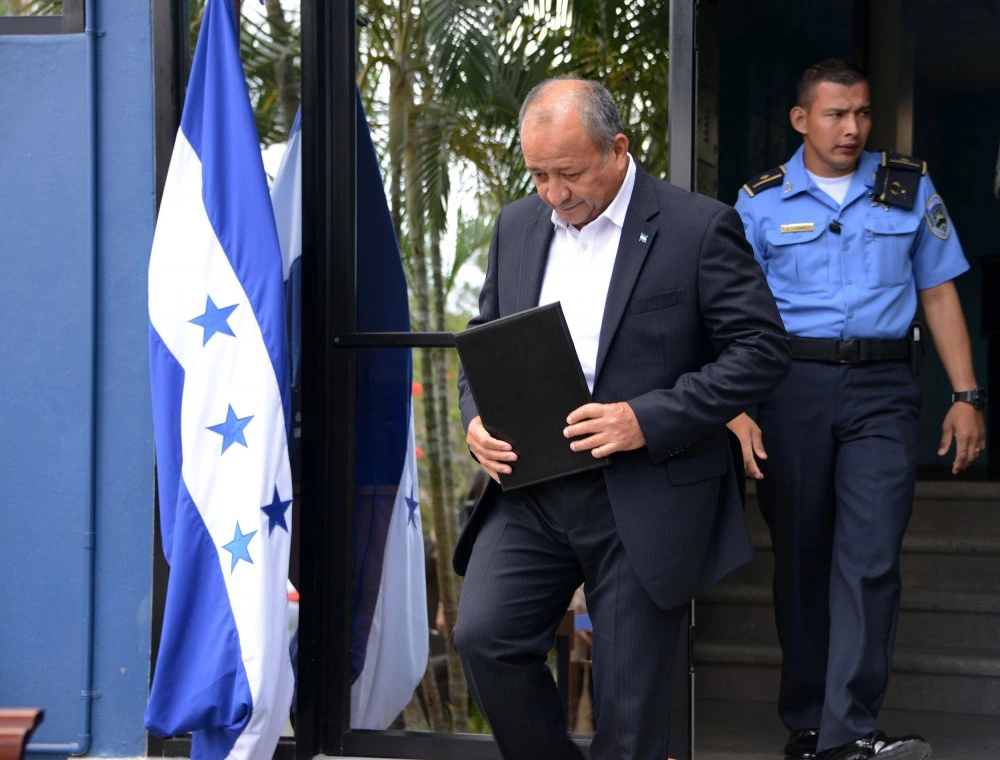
752,731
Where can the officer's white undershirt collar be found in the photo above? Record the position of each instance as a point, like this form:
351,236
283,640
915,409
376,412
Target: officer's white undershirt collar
835,187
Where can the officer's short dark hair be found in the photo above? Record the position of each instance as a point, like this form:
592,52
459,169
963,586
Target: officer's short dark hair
835,70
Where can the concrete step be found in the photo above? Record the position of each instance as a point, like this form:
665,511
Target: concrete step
923,622
950,662
940,507
952,681
977,571
915,542
948,644
730,592
728,730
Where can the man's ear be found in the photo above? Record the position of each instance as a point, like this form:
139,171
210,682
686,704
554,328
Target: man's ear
798,116
620,145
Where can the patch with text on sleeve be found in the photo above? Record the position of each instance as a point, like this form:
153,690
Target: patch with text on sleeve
937,217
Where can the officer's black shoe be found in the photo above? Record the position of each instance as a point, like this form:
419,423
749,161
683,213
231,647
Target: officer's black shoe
878,746
801,745
849,751
882,747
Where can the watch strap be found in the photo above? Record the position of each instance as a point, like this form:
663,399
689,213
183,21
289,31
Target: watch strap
976,397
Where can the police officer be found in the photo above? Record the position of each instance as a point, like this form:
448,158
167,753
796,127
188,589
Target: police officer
848,240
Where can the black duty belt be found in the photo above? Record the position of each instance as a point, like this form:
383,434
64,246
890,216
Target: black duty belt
855,351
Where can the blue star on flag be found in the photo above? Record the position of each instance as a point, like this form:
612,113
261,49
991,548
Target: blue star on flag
214,320
275,512
238,547
411,505
232,429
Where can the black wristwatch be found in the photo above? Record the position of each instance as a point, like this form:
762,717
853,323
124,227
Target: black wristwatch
976,397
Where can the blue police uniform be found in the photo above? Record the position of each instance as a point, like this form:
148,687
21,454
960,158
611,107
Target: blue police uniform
841,432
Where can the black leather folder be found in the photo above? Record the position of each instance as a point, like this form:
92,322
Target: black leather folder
525,378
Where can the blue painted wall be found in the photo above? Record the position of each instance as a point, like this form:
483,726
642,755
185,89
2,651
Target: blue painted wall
58,432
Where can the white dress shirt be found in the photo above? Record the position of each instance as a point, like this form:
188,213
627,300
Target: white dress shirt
578,272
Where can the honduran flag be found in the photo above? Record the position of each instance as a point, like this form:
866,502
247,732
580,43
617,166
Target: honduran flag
389,644
219,376
286,197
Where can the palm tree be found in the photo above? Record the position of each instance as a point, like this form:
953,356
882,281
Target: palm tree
624,45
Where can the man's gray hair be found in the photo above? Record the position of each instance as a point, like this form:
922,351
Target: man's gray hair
595,106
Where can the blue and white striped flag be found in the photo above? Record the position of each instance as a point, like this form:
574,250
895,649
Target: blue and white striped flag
219,375
389,644
286,196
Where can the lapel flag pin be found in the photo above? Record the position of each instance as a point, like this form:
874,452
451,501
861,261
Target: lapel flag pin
643,237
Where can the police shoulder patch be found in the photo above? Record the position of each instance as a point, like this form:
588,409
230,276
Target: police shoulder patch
937,217
764,180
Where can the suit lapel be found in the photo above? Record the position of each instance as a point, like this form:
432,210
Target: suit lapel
534,256
637,239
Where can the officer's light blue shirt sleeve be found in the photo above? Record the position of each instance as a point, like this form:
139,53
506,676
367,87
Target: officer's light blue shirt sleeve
743,209
937,254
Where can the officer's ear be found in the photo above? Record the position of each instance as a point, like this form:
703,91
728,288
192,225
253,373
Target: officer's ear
798,116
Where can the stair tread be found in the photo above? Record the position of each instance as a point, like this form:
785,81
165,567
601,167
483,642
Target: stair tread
931,600
916,542
936,490
945,661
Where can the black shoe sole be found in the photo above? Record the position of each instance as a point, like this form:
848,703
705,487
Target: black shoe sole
909,751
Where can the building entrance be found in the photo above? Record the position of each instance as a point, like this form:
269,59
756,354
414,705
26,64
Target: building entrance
932,98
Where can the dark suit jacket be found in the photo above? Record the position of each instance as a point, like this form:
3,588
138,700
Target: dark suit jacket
691,337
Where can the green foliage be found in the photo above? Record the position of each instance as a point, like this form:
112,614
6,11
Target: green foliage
624,46
30,7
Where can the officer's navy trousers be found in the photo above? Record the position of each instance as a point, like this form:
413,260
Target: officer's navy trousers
837,495
534,548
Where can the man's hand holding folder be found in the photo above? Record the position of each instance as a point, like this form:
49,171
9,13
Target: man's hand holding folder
608,427
494,456
531,395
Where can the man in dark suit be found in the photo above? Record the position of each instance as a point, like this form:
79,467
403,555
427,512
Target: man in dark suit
676,332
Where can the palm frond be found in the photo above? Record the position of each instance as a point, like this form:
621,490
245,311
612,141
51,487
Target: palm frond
31,7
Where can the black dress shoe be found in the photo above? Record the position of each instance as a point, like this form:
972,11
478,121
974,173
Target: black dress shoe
882,747
801,745
878,746
849,751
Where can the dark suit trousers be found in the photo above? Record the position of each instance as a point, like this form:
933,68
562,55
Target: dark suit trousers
837,495
534,548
